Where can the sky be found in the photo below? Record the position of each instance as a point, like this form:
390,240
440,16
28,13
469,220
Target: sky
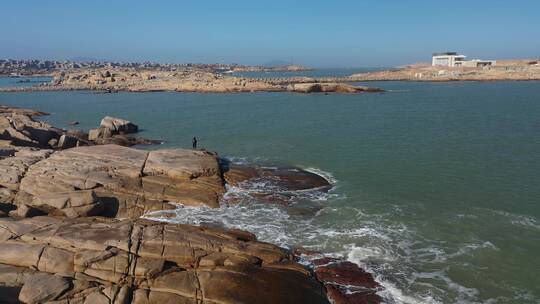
361,33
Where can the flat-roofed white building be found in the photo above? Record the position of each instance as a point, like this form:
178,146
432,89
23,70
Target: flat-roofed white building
448,59
476,63
453,59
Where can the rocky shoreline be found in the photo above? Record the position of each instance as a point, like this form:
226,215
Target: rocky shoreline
125,80
505,70
71,228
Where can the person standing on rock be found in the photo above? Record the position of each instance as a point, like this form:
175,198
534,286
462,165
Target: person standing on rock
194,142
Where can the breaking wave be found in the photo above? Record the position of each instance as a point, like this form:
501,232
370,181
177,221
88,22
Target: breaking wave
325,222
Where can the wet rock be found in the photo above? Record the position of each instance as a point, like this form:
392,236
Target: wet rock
346,282
73,123
287,178
340,295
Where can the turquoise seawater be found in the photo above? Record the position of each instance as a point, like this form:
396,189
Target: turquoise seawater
437,185
23,81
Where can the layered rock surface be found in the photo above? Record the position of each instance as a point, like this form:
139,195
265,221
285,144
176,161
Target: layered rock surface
113,180
93,248
99,260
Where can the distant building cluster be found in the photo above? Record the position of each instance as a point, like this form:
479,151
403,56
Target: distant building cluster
453,59
22,67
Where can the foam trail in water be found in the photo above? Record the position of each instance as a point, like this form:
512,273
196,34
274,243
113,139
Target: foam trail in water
364,239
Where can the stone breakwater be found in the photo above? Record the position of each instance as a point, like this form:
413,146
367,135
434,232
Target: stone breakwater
70,227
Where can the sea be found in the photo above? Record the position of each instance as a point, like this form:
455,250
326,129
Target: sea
436,186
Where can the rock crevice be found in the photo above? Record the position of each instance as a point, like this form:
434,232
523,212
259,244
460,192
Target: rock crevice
145,259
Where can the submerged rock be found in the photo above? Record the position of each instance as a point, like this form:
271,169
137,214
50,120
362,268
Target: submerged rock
272,184
286,178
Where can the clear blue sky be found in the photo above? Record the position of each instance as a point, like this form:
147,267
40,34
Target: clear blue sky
315,33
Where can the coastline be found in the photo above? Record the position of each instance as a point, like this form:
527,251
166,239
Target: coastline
106,80
205,80
74,204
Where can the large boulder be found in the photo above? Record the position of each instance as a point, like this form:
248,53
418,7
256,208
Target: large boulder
117,181
118,125
95,260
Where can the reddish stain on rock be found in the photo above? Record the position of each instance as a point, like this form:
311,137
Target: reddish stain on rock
346,282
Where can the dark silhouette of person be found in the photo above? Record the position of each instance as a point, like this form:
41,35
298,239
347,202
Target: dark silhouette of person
194,142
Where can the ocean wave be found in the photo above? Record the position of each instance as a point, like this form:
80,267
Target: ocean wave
387,249
325,174
372,248
519,220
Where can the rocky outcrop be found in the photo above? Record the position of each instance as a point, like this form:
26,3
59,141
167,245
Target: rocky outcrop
20,111
18,127
116,181
115,131
70,228
98,260
329,88
118,125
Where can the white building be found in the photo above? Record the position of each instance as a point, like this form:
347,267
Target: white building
448,59
453,59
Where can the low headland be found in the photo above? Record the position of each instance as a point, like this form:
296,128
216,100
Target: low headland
147,77
76,225
219,78
503,70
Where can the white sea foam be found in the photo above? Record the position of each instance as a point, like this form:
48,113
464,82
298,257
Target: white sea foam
388,250
326,175
517,219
